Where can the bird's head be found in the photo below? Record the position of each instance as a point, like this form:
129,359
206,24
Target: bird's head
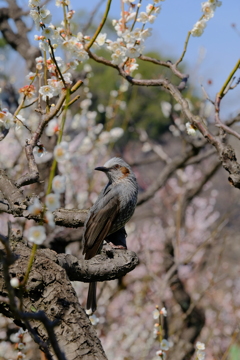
116,169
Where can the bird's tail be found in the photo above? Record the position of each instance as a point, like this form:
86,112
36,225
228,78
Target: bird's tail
92,298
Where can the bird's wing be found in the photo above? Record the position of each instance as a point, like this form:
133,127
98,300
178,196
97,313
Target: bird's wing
99,225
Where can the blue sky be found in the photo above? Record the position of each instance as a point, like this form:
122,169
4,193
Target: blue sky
211,56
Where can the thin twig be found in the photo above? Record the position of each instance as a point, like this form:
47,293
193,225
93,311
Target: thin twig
236,67
135,19
184,49
89,45
55,62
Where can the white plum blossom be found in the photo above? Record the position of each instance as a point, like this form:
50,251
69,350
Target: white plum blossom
80,36
43,46
163,311
35,208
208,10
143,17
200,346
200,355
59,3
20,355
36,235
146,147
146,33
152,18
104,137
75,48
199,28
190,129
124,86
151,9
156,314
39,59
114,93
97,129
30,77
118,57
59,61
59,184
81,54
61,151
155,332
67,78
161,354
42,15
48,33
52,127
45,15
133,52
20,120
94,319
73,64
100,108
52,201
39,151
87,68
85,103
122,105
130,16
39,63
166,108
49,218
15,282
86,145
47,91
6,119
116,133
35,15
100,40
57,85
164,345
34,3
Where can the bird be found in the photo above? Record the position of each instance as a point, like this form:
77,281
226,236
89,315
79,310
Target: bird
113,208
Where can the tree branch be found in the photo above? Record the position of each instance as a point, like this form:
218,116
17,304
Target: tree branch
109,265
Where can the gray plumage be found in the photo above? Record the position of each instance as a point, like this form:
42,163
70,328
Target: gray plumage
114,207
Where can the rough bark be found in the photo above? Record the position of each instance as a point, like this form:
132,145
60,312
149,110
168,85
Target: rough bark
49,290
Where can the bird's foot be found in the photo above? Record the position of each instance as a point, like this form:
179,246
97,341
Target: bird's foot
117,246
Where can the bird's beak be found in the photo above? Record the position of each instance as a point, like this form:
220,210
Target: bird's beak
102,168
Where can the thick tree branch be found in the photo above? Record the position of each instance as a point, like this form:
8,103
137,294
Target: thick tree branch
50,291
13,202
70,217
15,198
109,265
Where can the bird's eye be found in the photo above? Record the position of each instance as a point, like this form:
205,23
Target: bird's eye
116,166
